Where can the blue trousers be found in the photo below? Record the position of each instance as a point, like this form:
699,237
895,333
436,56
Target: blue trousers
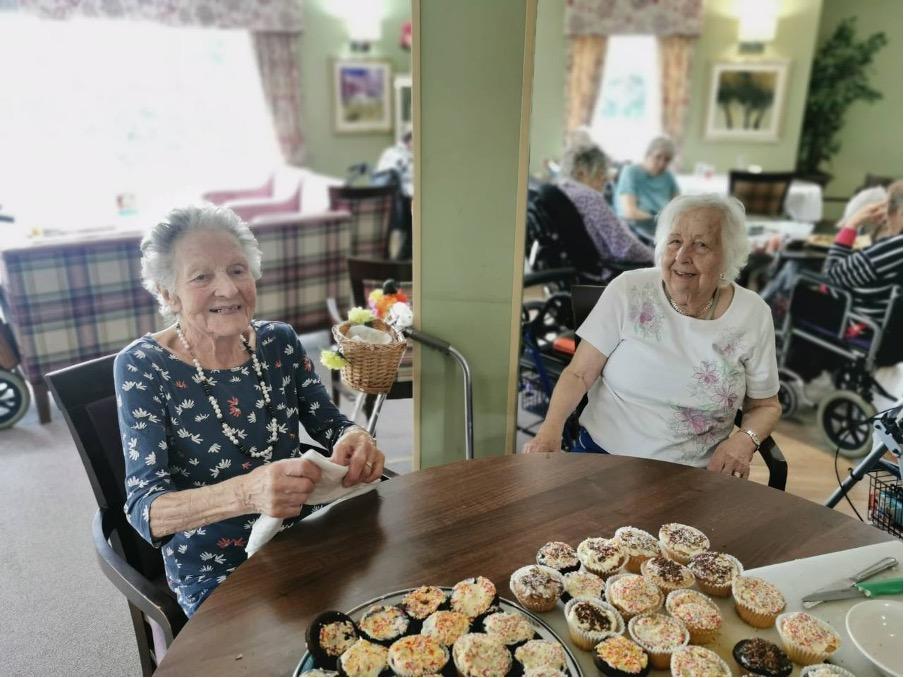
586,444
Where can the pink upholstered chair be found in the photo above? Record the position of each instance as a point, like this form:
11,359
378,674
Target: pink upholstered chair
281,194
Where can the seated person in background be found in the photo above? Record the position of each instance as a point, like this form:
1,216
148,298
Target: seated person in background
868,196
644,189
210,407
398,159
670,353
584,168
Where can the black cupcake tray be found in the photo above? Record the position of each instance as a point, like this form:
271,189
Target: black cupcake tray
544,631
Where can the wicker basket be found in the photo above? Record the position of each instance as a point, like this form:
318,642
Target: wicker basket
371,368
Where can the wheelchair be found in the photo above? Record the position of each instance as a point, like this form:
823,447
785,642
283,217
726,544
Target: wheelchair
816,334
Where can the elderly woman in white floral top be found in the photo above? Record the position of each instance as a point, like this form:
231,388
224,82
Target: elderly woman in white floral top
209,408
670,353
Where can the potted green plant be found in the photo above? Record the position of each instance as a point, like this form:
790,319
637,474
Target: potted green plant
840,77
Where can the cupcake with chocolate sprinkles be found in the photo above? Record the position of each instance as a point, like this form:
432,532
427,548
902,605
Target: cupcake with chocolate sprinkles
682,542
603,557
363,658
698,661
417,655
592,621
423,601
536,587
762,658
582,584
638,545
477,654
559,556
667,574
384,624
715,571
446,626
329,635
474,597
541,658
620,656
512,628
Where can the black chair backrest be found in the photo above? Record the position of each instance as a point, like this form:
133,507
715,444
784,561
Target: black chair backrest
812,305
583,299
86,395
890,349
361,270
556,224
762,193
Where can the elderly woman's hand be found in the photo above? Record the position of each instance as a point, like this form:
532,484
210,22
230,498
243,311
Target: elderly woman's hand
279,489
732,457
358,450
544,441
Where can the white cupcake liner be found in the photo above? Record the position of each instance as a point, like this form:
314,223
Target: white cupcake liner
625,613
659,656
838,670
760,618
726,670
699,635
636,559
536,603
799,653
586,640
677,555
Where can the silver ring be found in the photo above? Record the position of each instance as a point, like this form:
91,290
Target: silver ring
368,464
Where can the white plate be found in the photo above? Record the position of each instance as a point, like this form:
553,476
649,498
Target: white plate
875,626
542,628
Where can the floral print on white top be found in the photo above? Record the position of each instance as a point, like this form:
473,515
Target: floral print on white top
672,384
172,441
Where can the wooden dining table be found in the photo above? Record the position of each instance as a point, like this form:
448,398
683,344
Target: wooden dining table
482,517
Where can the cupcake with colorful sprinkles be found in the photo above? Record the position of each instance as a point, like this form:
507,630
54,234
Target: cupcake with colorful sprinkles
477,654
620,656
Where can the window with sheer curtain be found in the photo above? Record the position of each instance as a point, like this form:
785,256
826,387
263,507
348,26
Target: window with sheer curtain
95,109
629,107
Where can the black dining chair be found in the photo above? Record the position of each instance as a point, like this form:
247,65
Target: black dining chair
583,299
86,395
762,193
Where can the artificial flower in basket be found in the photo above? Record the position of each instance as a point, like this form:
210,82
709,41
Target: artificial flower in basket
370,343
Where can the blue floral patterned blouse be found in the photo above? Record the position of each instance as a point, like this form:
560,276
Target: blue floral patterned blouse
172,441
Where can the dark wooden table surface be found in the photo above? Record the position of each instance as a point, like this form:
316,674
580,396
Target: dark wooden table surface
484,517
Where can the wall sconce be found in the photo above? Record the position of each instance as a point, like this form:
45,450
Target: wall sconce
362,19
757,22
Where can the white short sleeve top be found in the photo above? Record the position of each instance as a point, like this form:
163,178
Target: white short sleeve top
672,384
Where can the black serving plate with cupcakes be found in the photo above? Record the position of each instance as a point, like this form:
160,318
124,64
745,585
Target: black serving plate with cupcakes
313,658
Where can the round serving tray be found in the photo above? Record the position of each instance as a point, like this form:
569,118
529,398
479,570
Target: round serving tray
543,629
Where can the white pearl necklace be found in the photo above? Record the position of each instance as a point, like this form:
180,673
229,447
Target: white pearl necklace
228,431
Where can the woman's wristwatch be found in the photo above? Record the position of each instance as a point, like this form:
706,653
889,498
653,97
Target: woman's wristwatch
755,438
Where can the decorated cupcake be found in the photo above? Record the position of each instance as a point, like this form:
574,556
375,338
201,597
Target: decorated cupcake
473,597
815,670
682,542
559,556
512,628
698,661
592,621
320,673
542,658
620,656
477,654
363,658
582,584
417,655
423,601
446,626
632,594
667,574
658,634
698,613
384,624
638,545
715,571
603,557
762,658
806,639
537,587
328,636
757,601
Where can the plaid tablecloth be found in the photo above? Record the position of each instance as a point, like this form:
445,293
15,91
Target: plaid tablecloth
74,301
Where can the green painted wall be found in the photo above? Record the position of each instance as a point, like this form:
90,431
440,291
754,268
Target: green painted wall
471,65
548,101
871,138
325,38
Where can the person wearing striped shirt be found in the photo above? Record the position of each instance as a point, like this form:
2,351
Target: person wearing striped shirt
870,273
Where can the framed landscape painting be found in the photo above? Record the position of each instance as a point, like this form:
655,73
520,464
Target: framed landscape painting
362,99
746,101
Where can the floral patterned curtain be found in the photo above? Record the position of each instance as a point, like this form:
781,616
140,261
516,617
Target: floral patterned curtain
586,56
675,55
650,17
277,61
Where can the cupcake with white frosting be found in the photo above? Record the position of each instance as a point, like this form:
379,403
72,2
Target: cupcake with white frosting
559,556
536,587
668,575
682,542
473,597
582,584
699,614
417,655
512,628
807,640
603,557
632,594
715,571
697,661
477,654
757,601
542,658
639,545
592,621
660,635
363,658
446,626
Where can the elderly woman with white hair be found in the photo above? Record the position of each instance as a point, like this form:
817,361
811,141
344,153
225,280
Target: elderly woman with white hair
671,353
644,189
210,407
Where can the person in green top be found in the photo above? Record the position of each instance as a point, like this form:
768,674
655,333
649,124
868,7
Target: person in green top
644,189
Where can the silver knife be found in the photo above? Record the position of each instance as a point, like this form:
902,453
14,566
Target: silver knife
842,588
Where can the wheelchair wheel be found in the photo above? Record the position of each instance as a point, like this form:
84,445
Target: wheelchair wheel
14,398
788,398
845,421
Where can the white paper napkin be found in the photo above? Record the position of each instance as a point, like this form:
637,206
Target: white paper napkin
328,490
